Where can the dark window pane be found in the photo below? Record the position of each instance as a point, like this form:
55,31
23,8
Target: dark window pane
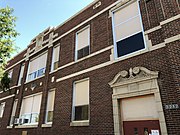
86,51
80,53
130,44
81,112
135,131
83,52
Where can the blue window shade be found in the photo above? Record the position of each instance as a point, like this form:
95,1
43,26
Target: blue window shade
130,44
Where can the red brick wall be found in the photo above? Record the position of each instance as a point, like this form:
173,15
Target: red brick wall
166,60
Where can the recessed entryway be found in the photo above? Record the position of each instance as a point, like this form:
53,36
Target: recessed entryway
137,106
139,115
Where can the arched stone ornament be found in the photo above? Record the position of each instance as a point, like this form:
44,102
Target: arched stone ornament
138,81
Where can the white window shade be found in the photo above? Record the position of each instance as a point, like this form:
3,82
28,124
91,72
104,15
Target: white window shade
10,73
30,109
127,29
127,21
50,102
56,54
42,61
126,13
83,38
21,74
33,65
13,113
2,106
38,63
36,104
139,108
82,93
14,108
27,105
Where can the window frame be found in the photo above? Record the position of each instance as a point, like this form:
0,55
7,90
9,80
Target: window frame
31,113
114,34
10,73
3,108
46,115
73,102
52,60
76,41
27,74
21,74
12,118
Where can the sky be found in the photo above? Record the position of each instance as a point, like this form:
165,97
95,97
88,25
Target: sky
34,16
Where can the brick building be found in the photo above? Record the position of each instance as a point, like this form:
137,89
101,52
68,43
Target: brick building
112,68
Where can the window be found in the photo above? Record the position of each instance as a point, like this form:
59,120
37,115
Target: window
30,109
50,106
2,106
128,31
83,43
13,112
37,67
81,100
10,74
21,74
55,58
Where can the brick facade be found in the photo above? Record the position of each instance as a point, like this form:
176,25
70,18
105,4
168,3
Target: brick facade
160,20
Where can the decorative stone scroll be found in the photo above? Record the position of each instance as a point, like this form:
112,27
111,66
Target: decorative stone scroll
133,74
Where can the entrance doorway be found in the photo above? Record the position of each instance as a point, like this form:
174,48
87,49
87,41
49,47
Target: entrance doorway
137,105
144,127
139,115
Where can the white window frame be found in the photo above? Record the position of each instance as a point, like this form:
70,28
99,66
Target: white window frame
21,74
27,74
114,35
52,63
2,109
73,103
10,73
76,43
13,115
22,116
46,122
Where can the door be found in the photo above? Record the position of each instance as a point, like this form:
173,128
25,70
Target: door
144,127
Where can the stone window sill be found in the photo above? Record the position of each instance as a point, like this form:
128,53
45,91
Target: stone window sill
26,126
8,127
79,123
46,125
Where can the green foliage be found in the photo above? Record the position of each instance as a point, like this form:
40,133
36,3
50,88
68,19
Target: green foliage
7,37
7,34
5,81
